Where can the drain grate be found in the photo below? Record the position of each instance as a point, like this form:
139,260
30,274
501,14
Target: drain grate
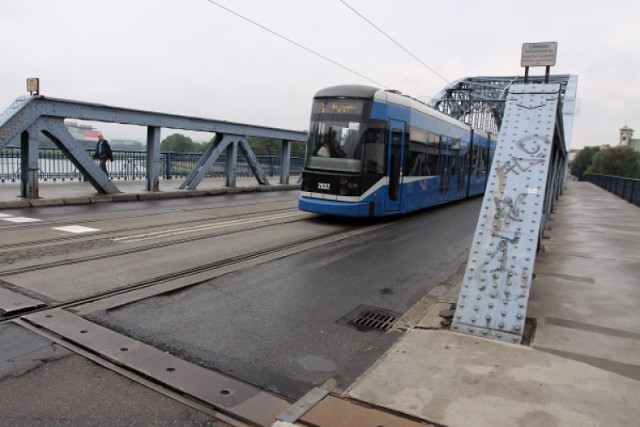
366,318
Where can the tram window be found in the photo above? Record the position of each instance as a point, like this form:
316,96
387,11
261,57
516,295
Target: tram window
432,163
374,151
414,159
484,160
474,159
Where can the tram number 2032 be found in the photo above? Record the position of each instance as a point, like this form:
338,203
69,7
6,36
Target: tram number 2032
324,186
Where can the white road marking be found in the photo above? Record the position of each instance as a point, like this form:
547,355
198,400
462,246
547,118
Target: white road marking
4,215
76,229
203,227
19,219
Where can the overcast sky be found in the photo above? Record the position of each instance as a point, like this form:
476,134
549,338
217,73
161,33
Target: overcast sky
192,57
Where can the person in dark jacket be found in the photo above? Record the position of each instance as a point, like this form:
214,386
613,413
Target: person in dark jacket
103,153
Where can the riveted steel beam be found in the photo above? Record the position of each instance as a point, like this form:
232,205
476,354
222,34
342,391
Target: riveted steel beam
285,161
153,159
254,165
57,132
26,110
524,179
29,163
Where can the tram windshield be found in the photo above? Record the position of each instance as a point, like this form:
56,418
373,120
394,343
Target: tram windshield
335,137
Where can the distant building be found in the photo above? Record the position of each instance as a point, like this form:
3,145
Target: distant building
626,138
83,133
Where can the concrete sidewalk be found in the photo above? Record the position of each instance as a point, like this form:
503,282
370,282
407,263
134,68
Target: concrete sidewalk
583,365
77,193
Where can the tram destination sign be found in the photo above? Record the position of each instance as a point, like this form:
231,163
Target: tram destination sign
541,54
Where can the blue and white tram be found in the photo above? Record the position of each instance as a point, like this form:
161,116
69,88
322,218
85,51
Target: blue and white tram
373,152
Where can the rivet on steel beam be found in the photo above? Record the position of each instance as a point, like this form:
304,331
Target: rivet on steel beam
490,305
503,313
519,315
501,325
473,319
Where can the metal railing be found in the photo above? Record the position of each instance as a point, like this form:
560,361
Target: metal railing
626,188
131,165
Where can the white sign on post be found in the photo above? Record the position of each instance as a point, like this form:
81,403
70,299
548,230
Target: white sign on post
541,54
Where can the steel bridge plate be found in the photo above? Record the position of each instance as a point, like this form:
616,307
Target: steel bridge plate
230,396
12,303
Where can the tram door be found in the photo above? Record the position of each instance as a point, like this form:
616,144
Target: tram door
394,165
445,168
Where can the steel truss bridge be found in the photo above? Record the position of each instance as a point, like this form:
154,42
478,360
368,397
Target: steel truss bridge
533,120
480,101
31,115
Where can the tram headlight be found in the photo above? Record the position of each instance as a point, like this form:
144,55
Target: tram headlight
348,186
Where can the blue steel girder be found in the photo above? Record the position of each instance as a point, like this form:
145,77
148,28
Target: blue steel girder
254,165
229,145
26,110
57,132
480,101
153,159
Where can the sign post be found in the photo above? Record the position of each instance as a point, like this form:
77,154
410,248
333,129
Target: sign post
33,86
542,54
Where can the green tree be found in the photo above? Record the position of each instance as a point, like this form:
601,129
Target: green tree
262,146
620,161
583,160
179,143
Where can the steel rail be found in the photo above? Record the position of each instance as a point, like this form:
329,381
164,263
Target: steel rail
130,251
113,233
172,276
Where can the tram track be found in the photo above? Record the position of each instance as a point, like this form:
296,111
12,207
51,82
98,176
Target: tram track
192,271
128,251
137,229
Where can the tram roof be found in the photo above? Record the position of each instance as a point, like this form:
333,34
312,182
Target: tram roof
389,96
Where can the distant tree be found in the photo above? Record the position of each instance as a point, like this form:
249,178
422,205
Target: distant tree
262,146
179,143
583,160
620,161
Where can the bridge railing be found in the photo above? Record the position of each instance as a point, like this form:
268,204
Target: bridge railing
627,188
131,165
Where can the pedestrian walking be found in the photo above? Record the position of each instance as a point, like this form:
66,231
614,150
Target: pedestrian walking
103,153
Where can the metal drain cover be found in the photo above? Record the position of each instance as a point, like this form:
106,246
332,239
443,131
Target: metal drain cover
367,318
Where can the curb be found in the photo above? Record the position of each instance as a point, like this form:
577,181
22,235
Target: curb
134,197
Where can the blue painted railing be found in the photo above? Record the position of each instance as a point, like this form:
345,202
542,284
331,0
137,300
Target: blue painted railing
131,165
626,188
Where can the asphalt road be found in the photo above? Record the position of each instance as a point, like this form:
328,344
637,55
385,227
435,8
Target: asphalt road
276,320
